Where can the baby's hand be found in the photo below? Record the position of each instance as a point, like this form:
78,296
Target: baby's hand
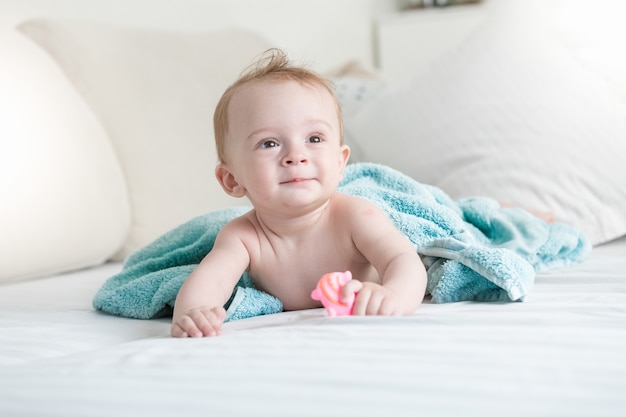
372,299
199,322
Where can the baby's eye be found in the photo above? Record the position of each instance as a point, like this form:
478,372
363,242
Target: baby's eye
315,139
268,144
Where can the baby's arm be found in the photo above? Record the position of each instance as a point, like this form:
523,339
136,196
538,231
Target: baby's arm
402,273
199,310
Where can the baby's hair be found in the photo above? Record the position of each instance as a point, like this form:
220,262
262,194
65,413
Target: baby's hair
272,65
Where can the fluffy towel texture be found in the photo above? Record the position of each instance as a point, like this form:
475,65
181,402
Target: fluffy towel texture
147,286
473,249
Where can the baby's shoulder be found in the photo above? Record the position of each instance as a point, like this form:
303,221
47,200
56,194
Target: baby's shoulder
241,226
355,207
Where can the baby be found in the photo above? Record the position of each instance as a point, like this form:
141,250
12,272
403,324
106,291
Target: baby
279,138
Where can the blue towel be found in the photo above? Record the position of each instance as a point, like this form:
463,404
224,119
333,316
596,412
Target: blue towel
473,249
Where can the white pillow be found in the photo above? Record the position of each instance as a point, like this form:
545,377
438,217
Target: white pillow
154,93
595,34
64,199
513,115
355,83
352,92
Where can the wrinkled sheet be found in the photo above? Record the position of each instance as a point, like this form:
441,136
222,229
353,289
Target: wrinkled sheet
560,353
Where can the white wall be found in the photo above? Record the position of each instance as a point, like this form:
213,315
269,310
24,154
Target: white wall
321,32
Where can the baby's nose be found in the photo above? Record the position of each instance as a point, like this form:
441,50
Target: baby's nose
295,160
295,156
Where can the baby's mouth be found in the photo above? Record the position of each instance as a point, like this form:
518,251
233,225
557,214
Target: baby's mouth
296,180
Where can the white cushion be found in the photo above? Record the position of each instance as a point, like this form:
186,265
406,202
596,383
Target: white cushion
509,114
595,34
352,92
64,200
154,93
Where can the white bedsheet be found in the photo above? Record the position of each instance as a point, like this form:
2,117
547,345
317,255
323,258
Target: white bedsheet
562,352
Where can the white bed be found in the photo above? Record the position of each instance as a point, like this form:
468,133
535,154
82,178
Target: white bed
562,352
106,144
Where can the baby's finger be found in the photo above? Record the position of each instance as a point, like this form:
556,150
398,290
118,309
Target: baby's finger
351,287
361,301
216,319
220,313
187,326
178,331
374,304
207,322
387,308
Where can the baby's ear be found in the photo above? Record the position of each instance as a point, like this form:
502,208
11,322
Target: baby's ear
344,155
228,181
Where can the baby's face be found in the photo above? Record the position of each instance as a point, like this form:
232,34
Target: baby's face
283,144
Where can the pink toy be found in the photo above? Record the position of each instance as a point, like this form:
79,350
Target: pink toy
328,291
